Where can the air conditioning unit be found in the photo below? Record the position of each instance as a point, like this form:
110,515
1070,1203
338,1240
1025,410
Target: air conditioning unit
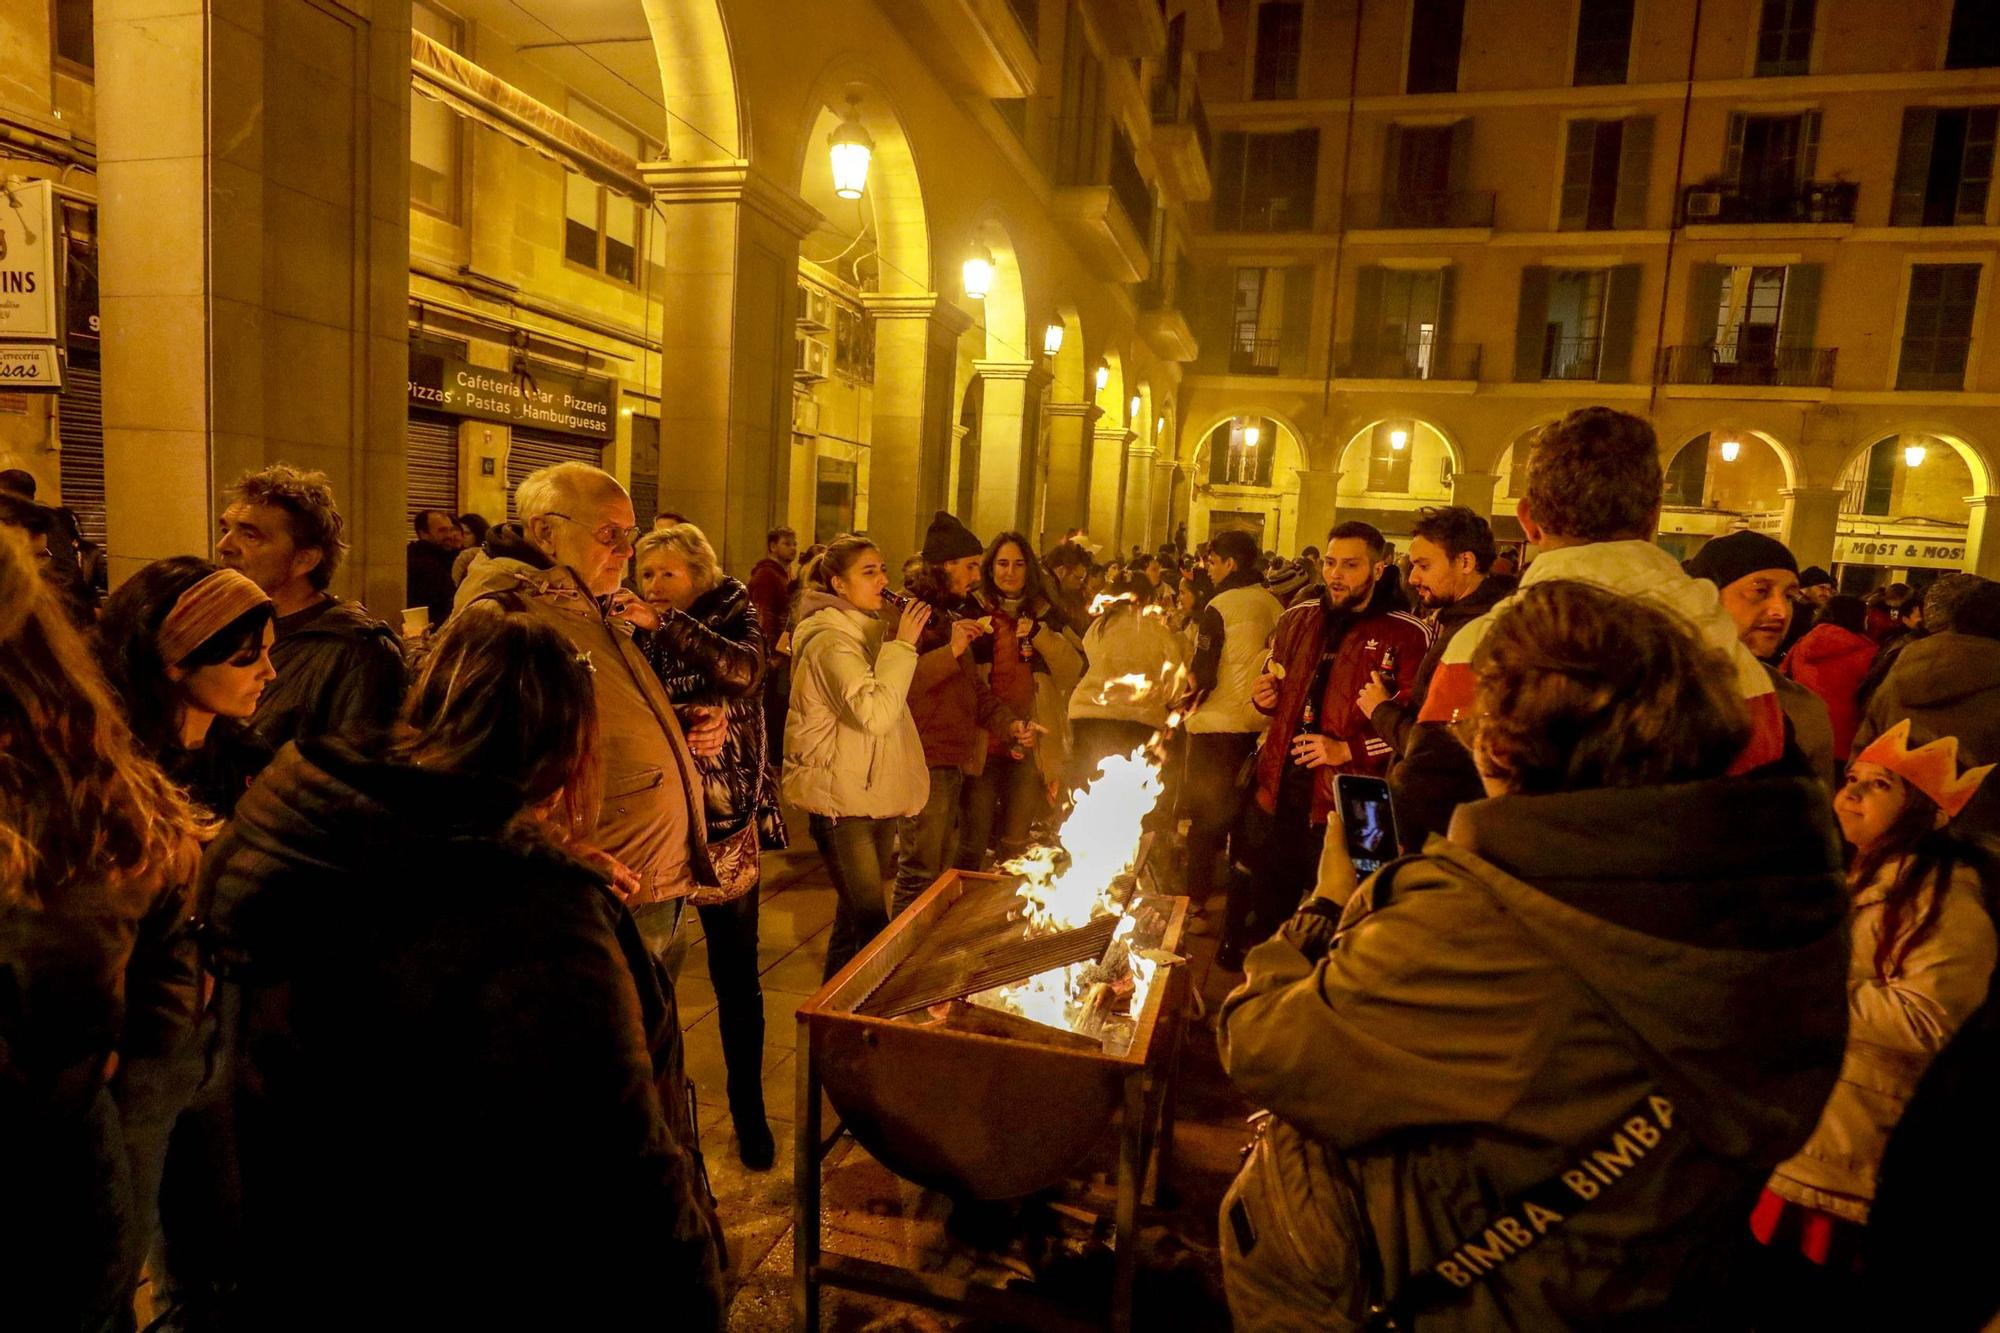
815,309
815,358
805,414
1703,204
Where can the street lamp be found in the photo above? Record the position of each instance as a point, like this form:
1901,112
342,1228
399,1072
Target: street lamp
1730,449
978,272
1913,455
1251,434
1399,439
1052,337
851,147
1103,376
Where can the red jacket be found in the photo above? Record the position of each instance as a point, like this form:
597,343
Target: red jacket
771,594
1297,643
1011,679
956,713
1831,662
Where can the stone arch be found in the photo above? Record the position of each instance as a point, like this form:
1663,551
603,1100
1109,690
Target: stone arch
1433,458
1701,473
1275,506
1069,371
1977,463
698,82
1004,313
891,209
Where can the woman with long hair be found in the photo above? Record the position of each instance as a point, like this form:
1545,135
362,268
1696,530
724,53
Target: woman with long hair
455,1064
1539,1073
702,634
853,760
1030,662
1924,947
98,850
187,645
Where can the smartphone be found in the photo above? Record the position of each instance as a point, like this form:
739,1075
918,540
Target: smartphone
1369,823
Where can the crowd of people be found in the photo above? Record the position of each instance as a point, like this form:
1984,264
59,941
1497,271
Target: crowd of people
338,947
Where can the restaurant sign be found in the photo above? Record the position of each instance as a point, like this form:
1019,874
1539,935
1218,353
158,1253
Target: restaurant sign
29,366
28,239
1900,552
548,399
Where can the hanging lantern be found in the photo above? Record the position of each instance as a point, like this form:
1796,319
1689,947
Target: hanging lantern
1052,337
1913,455
850,146
978,273
1730,449
1399,439
1251,434
1103,376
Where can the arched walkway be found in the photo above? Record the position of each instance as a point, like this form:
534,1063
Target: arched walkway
1245,474
1912,506
1722,481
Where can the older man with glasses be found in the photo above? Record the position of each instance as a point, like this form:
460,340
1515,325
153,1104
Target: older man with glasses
580,531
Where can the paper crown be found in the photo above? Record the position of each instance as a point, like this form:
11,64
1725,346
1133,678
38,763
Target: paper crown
1932,769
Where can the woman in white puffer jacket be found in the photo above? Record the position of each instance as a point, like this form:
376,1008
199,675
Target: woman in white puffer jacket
853,760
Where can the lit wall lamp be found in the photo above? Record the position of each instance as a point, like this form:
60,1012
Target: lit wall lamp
1251,434
1913,455
851,147
1132,409
1103,376
1160,427
1730,449
978,272
1399,439
1052,337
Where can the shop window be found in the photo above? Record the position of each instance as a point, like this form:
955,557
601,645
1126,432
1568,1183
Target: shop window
1388,465
1275,73
1944,169
1975,35
1603,41
853,344
1605,166
437,134
1265,182
1784,37
76,41
602,230
1937,326
1436,30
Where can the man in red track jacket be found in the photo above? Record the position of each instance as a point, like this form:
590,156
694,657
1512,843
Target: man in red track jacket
1322,653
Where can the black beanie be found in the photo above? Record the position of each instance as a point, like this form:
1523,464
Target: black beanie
1727,559
1812,576
949,539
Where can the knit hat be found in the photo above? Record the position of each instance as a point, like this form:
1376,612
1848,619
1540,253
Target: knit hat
949,539
1727,559
1812,576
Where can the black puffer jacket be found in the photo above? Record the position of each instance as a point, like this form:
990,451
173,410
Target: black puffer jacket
456,1069
337,667
713,653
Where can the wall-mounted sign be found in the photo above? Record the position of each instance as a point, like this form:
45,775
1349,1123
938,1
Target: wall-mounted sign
1901,552
30,366
28,242
548,399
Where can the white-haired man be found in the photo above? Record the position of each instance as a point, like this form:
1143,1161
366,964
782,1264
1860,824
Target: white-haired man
579,521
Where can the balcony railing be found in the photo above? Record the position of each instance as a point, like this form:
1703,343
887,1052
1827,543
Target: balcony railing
1728,363
1273,213
1932,363
1570,358
1251,355
1129,185
1439,210
1393,360
1727,204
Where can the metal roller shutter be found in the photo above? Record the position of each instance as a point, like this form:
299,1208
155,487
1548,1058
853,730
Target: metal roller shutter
532,450
431,466
80,427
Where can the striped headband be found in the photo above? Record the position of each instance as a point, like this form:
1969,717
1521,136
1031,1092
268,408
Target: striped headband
204,609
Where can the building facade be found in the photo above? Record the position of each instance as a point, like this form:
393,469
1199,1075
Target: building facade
1439,224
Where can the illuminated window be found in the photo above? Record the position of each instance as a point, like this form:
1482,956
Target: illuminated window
437,135
601,230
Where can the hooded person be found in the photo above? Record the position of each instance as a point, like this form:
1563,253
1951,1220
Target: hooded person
1536,1077
1832,661
1757,580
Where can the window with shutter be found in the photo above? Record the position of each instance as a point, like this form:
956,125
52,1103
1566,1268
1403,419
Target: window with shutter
1531,323
1621,323
1937,326
430,463
1603,41
80,429
1944,167
1592,164
1437,29
1784,37
1975,35
1295,319
1275,71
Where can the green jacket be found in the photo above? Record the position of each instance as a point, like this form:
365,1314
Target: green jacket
1494,1006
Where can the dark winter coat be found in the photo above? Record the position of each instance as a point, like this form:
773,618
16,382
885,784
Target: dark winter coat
337,667
956,711
427,578
771,593
455,1067
1495,1007
1947,684
1832,662
714,653
229,760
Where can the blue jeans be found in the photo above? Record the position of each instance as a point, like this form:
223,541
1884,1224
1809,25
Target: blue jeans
859,853
928,839
1001,806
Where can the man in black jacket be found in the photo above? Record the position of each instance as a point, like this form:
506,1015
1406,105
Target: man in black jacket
1451,550
336,663
427,564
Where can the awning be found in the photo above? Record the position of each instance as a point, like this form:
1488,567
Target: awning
443,75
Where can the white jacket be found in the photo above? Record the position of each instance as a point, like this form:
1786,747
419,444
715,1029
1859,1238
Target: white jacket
1249,614
1138,668
851,746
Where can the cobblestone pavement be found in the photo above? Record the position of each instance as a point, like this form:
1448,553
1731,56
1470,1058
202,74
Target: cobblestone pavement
869,1213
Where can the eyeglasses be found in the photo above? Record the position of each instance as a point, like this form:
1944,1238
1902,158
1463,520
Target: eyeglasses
610,534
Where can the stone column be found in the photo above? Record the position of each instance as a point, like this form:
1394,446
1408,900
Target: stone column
1812,515
1009,431
1107,486
916,350
730,246
1318,506
1139,456
1982,536
1475,491
1072,435
1166,470
253,182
